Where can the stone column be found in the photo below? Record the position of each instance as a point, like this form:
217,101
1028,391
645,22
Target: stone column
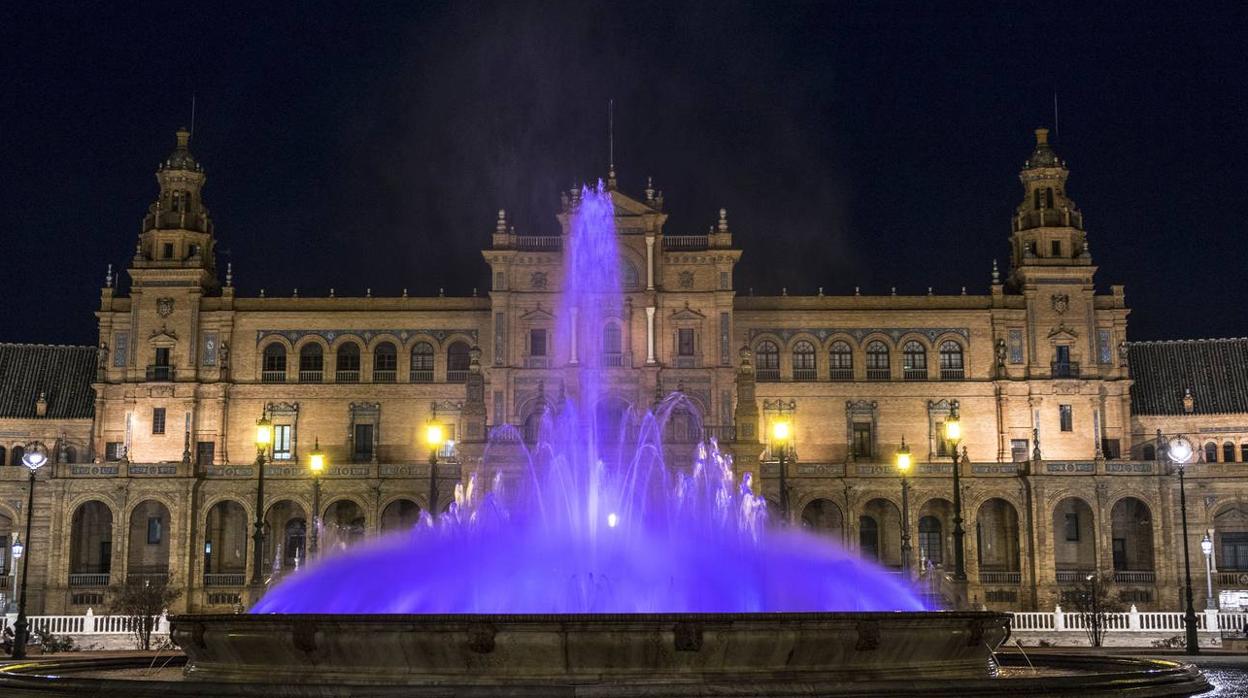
574,360
650,335
649,262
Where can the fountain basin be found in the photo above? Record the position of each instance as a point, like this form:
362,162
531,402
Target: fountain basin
576,649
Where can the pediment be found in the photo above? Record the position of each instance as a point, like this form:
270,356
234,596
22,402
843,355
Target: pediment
687,313
1063,331
626,205
538,314
164,337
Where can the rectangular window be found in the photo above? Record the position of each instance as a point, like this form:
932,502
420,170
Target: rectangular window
684,342
1067,417
158,420
1019,450
1056,248
942,444
1104,351
1016,346
448,446
205,452
537,342
154,530
1111,448
281,441
1063,354
725,280
162,356
1119,548
500,339
1072,528
862,440
121,349
168,249
363,446
725,343
112,451
500,416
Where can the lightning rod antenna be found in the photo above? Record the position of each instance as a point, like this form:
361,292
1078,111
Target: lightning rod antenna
611,132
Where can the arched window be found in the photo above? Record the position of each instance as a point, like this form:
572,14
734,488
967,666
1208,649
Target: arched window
930,540
612,354
1243,453
1211,452
630,277
1149,452
1037,193
457,362
877,361
1228,452
2,454
914,361
273,369
70,454
840,362
1048,197
347,364
422,363
804,361
385,363
868,537
16,455
767,356
951,366
311,363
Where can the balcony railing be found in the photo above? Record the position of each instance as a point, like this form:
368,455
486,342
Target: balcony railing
92,579
456,375
952,374
686,242
1135,576
273,376
612,360
878,374
539,243
767,374
1072,576
841,374
383,376
224,580
1065,369
721,433
531,362
1233,579
347,376
914,374
138,578
160,373
1000,577
421,375
311,376
805,374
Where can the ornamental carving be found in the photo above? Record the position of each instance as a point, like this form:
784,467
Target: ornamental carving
685,279
537,280
1061,303
164,307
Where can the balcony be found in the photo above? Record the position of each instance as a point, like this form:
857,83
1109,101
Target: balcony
805,374
384,376
1232,579
529,362
145,578
539,243
767,374
683,243
952,374
160,373
612,360
723,434
1064,369
311,376
92,579
1072,576
878,374
421,375
914,374
224,580
456,375
1010,578
841,374
273,376
347,376
1135,577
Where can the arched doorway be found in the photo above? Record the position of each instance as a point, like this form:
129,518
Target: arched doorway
147,551
610,417
879,532
823,516
6,554
934,534
996,542
91,545
1074,540
344,525
285,537
1131,525
400,515
225,544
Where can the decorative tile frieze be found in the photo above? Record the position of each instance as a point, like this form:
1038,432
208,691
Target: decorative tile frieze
859,333
365,336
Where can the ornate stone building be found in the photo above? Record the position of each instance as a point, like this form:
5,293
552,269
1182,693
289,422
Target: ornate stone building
1062,462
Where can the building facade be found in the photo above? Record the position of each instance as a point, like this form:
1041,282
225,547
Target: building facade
1063,460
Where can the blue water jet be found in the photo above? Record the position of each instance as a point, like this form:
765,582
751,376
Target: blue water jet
591,518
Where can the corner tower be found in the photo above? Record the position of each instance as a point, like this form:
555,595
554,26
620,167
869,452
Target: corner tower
175,239
1048,227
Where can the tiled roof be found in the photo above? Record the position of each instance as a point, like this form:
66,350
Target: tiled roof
64,374
1216,371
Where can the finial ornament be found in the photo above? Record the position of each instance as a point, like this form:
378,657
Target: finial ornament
296,293
892,291
368,293
108,277
857,291
723,220
229,273
996,273
405,293
821,290
929,291
501,226
262,293
649,188
331,293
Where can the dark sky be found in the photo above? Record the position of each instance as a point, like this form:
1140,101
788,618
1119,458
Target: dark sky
369,144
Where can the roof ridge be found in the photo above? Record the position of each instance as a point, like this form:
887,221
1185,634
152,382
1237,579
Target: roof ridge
47,346
1187,341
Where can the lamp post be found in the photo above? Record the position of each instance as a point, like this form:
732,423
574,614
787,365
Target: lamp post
17,549
953,434
1206,547
903,467
781,432
435,436
1179,452
264,436
316,464
34,457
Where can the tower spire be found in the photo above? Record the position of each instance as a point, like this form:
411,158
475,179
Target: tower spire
611,144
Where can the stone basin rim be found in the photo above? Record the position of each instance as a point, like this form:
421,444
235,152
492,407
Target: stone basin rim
730,616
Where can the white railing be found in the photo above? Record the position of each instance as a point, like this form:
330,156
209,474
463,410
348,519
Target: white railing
1058,620
86,624
1135,576
88,580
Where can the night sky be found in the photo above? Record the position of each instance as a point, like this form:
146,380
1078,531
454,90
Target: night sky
370,144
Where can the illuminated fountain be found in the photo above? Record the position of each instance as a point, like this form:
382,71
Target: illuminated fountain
593,559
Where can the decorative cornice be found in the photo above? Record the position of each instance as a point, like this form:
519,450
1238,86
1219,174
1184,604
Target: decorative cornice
364,336
860,333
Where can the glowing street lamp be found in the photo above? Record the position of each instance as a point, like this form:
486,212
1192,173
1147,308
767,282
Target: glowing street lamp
904,463
781,433
1179,452
264,437
316,464
34,457
953,434
435,437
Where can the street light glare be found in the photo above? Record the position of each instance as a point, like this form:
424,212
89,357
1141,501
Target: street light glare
953,429
780,430
434,435
264,433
